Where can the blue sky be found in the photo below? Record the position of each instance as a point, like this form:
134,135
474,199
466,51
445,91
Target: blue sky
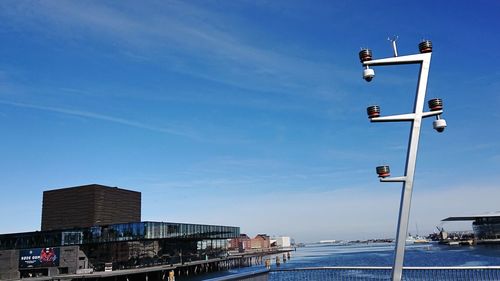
247,113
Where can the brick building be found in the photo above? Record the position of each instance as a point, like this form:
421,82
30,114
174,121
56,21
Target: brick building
243,242
261,241
89,205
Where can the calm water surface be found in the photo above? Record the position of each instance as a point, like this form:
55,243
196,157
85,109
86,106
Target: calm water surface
382,255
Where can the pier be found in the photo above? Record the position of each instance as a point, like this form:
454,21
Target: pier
169,272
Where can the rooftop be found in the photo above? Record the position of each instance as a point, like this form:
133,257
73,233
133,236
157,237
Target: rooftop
474,217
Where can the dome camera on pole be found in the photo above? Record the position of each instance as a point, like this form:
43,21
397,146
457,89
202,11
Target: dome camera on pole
439,124
366,55
425,46
383,171
373,111
368,74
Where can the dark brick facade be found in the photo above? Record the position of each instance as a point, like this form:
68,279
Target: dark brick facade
88,205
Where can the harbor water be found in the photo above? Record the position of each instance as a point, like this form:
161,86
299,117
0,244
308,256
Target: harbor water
379,254
431,254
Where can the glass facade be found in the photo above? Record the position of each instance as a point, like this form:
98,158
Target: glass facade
118,233
487,227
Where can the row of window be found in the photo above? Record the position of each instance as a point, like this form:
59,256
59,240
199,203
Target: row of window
117,232
487,230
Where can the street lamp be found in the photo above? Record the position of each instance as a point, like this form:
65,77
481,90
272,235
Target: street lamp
436,109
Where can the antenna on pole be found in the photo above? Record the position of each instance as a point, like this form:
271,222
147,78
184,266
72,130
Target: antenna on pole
393,41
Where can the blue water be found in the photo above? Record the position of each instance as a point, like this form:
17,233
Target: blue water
317,255
383,255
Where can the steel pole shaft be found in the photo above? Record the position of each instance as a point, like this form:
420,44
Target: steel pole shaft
411,161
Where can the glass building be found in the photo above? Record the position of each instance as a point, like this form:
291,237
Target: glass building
126,245
116,233
486,226
95,228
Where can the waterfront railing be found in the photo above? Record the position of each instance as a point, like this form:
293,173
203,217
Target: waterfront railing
458,273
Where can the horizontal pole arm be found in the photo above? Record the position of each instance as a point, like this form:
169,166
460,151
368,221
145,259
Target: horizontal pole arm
393,179
410,59
431,113
394,118
404,117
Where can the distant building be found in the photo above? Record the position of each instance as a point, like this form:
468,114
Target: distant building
242,243
89,205
486,226
282,241
261,241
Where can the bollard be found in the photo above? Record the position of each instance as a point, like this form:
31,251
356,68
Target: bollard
268,263
171,275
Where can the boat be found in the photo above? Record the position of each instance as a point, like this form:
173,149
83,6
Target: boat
416,240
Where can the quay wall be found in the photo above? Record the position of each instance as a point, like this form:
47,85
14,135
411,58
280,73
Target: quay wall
9,260
71,263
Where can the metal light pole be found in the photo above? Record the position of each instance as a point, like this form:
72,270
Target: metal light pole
436,106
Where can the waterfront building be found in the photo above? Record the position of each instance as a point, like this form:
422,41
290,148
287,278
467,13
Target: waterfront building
281,241
486,226
241,243
244,242
261,241
89,205
111,246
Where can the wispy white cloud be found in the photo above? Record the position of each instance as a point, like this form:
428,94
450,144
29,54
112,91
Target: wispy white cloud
76,91
92,115
218,175
192,40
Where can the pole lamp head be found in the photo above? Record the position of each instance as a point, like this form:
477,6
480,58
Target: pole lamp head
383,171
435,104
425,46
439,124
365,55
373,111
